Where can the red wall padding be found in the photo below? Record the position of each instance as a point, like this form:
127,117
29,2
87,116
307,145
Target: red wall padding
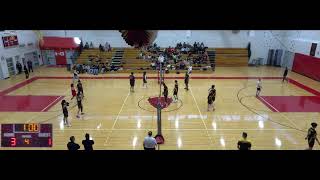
307,65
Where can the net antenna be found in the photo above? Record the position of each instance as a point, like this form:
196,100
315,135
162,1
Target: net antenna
159,138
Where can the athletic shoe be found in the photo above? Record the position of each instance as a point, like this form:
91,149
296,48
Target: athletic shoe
82,113
78,116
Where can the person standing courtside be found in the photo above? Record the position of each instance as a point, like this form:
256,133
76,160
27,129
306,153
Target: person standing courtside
244,144
72,146
26,71
30,65
312,136
285,74
149,142
87,143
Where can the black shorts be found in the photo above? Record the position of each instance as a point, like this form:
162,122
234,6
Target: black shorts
175,93
150,149
132,85
144,81
210,102
258,89
80,106
65,114
311,142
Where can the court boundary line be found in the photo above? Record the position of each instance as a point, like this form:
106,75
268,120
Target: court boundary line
52,104
201,116
267,104
173,129
114,124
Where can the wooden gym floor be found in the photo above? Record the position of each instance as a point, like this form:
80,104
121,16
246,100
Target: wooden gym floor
119,120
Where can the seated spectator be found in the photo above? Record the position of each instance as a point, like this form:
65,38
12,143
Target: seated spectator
86,46
101,48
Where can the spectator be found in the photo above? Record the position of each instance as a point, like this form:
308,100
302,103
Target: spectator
26,71
91,45
149,142
72,146
107,46
244,144
86,46
19,67
29,62
87,143
80,47
101,48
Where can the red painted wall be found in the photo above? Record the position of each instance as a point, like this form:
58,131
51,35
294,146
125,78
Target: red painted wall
307,65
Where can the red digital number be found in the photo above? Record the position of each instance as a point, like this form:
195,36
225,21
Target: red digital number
13,141
49,141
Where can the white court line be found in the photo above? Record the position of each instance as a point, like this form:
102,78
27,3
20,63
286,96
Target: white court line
112,128
211,141
269,104
51,103
281,114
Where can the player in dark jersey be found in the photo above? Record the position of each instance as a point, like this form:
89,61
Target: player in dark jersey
285,75
312,135
244,144
26,71
80,87
65,105
132,82
186,81
165,92
210,100
79,103
213,91
175,91
144,78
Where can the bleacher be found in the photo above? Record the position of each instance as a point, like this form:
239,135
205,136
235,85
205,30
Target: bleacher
224,57
92,53
231,57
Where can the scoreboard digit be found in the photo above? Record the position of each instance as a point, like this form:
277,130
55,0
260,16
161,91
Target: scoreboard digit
26,135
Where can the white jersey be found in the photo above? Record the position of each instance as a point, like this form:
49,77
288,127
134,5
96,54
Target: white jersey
259,84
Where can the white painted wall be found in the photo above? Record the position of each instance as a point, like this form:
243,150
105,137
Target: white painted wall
165,38
24,37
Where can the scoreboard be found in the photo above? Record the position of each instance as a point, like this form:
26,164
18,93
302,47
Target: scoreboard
9,41
26,135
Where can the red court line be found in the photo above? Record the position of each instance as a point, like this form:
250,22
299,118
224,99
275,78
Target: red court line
17,86
52,104
155,77
304,87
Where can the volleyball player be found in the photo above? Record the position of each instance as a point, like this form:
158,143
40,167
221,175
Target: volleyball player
65,105
210,100
80,88
73,91
213,91
259,87
312,135
175,91
165,92
79,103
132,82
186,81
144,79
